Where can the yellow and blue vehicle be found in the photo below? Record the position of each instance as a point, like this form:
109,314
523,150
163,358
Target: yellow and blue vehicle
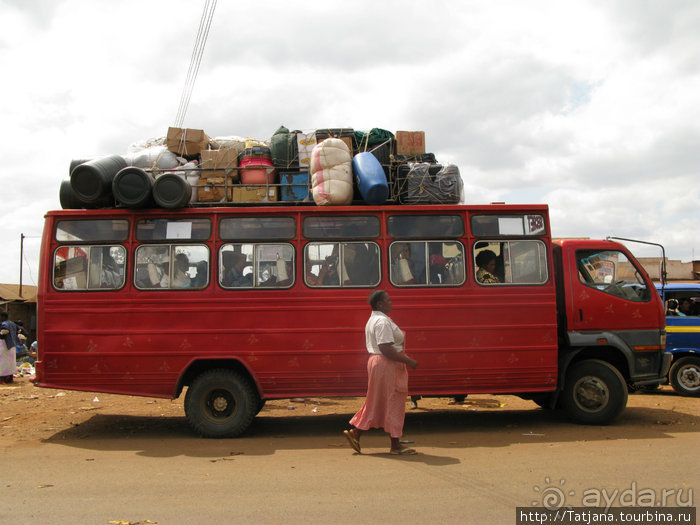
682,301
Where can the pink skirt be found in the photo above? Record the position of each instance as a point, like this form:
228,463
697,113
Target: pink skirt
385,405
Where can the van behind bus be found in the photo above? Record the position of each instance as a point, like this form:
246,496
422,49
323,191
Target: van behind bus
682,302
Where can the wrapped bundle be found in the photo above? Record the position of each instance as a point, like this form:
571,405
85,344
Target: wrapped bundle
155,158
331,173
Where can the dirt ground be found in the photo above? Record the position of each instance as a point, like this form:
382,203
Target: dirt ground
78,457
31,413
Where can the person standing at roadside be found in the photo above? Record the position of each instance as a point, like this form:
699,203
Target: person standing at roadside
8,359
387,388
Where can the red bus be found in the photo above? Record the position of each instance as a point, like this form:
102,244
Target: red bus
243,304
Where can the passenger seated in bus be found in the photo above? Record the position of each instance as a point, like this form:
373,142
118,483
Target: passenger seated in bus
200,278
180,278
143,280
281,276
234,263
319,279
110,274
401,270
361,264
438,269
286,277
332,276
438,265
486,261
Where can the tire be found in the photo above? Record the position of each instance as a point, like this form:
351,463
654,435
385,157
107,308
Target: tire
220,403
260,405
685,376
595,392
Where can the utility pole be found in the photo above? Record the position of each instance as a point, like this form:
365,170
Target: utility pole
21,256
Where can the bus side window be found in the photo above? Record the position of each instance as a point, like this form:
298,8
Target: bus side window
321,264
89,267
152,265
70,267
510,262
256,265
446,263
361,263
407,265
106,267
171,266
274,265
236,266
427,263
346,264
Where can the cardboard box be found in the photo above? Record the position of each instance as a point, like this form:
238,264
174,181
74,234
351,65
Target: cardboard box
410,142
305,145
294,186
250,193
186,142
71,274
213,189
344,134
218,163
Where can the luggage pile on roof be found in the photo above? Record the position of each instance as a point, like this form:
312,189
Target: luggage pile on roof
325,167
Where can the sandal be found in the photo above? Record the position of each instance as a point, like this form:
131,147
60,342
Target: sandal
354,442
403,451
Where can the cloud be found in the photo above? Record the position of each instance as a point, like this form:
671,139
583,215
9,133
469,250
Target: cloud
591,107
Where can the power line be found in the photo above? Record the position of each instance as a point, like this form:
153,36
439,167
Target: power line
195,60
26,261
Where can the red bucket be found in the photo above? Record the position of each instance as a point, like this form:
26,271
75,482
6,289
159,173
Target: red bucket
256,170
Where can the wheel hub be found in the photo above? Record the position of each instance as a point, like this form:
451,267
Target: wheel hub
591,394
220,403
690,377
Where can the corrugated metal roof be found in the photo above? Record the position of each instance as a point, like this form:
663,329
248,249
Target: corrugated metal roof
10,292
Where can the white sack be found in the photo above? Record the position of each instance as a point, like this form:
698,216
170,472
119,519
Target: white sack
228,142
342,173
154,158
329,153
332,193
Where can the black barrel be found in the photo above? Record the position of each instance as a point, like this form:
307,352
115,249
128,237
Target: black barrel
171,190
92,180
77,162
70,201
133,188
67,197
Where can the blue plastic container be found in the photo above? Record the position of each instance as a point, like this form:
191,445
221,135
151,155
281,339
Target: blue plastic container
294,186
371,179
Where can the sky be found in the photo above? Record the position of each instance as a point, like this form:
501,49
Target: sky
592,107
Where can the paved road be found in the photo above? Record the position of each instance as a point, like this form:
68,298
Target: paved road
475,466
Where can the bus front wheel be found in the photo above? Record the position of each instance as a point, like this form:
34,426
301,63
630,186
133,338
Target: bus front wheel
220,403
594,393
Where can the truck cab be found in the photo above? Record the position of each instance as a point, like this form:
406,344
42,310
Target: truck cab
609,318
682,301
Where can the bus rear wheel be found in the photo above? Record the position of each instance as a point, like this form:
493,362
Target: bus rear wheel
685,376
220,403
594,393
